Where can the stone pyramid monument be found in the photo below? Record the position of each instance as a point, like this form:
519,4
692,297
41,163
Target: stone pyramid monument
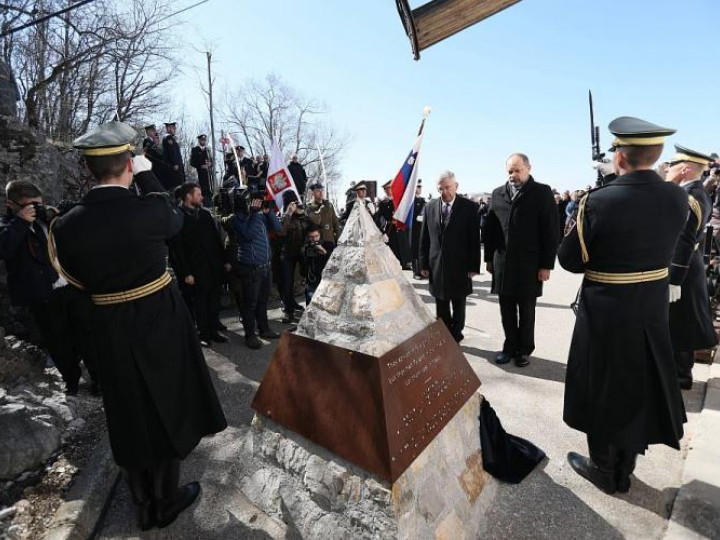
364,302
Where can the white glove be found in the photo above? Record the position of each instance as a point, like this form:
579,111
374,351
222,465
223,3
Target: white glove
605,168
141,164
419,218
675,293
385,238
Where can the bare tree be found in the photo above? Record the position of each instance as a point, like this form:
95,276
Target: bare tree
104,59
265,109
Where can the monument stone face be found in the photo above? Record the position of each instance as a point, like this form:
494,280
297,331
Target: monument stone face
378,384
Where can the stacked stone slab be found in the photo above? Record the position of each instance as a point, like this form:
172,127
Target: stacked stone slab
364,302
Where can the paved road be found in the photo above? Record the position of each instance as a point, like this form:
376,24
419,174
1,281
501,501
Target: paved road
552,503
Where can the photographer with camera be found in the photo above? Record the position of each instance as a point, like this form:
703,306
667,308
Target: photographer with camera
61,312
250,225
315,253
294,224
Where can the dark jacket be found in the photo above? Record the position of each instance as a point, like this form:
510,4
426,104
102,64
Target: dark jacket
314,263
691,323
293,234
418,216
251,234
299,176
520,237
621,386
450,251
158,397
198,250
199,157
173,157
25,252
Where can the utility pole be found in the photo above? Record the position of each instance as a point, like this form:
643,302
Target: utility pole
212,118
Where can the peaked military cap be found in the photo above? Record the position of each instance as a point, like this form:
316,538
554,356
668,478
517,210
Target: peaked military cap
149,126
170,124
316,185
238,147
631,131
359,185
203,136
685,154
387,184
419,182
107,139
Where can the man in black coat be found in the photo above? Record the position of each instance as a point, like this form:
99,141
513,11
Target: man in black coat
418,213
520,237
200,265
621,388
201,160
299,176
61,312
173,158
360,191
450,252
691,324
158,396
152,149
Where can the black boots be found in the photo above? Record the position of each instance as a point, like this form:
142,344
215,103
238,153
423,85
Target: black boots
585,467
140,484
625,467
156,494
170,500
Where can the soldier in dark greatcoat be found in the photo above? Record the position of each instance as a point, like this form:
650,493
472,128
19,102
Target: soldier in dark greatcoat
386,222
158,396
152,149
621,388
173,158
691,326
418,213
201,160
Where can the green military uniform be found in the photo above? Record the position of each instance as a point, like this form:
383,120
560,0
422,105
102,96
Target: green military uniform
323,215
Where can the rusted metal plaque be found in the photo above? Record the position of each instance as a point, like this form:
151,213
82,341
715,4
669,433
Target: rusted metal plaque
379,413
426,381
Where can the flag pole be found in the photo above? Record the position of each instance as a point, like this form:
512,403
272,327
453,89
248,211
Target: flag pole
322,165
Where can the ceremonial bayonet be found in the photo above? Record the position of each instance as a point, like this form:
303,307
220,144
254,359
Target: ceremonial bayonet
597,155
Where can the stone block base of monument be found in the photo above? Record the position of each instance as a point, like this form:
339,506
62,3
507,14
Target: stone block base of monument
320,495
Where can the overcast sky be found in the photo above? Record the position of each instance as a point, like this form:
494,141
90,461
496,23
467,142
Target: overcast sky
515,82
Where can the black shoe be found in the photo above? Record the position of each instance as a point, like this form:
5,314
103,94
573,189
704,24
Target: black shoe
503,358
417,276
458,336
686,383
625,466
298,308
218,338
289,318
522,360
622,483
141,493
205,341
253,342
220,327
605,481
167,510
269,334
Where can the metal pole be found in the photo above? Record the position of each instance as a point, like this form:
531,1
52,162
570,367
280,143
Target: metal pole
212,120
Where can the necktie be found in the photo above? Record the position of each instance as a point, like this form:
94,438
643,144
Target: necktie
446,213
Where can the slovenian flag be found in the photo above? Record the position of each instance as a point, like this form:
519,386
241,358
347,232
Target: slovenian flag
404,184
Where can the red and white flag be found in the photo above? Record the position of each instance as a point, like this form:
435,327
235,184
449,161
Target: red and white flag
279,179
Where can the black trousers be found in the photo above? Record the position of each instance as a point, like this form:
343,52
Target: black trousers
287,289
205,188
65,323
255,282
518,320
455,320
206,301
610,458
684,362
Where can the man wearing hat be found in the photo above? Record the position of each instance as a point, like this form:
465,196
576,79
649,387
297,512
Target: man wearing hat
173,157
691,327
360,190
153,151
292,237
621,387
202,162
158,396
321,212
418,212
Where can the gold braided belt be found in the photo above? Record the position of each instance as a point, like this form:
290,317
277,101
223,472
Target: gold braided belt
132,294
626,278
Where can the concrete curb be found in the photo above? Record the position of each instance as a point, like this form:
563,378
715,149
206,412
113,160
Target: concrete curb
85,502
696,512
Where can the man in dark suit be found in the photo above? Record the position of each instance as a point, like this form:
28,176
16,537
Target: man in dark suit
173,158
418,213
691,322
520,237
297,171
201,160
450,252
158,396
199,262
